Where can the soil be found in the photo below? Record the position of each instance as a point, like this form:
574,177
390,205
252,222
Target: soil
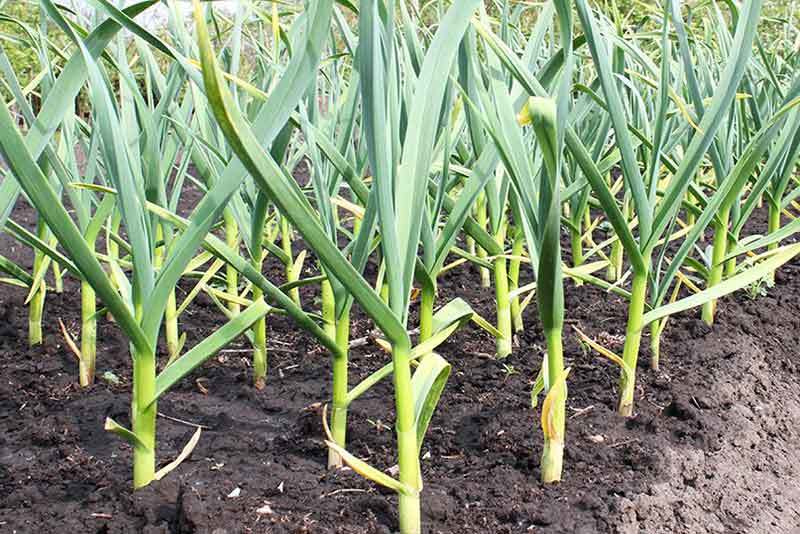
712,446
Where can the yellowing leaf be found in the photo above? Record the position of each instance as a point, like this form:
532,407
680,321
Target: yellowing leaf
552,420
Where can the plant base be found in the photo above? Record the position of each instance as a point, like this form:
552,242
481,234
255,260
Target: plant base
410,516
625,408
503,347
552,461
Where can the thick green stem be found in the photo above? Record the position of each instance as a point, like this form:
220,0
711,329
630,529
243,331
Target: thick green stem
614,270
502,302
36,304
171,310
633,338
774,223
382,285
35,312
58,277
385,292
143,418
286,244
231,274
340,390
471,245
513,273
552,461
171,327
339,368
655,345
328,309
482,219
427,300
259,329
691,218
409,512
577,247
716,270
553,452
407,447
86,364
730,264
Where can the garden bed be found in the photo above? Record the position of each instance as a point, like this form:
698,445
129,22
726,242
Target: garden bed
712,448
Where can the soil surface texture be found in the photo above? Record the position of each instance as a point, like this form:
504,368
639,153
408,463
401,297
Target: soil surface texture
712,448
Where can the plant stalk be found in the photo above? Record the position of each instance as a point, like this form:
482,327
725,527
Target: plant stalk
633,338
407,448
231,274
286,244
86,365
35,312
171,327
170,311
144,418
340,390
614,270
730,264
427,300
576,246
716,270
774,223
553,452
58,277
655,345
36,304
517,250
502,301
482,218
328,308
259,329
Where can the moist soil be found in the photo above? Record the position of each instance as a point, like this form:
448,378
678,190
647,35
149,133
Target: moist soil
712,446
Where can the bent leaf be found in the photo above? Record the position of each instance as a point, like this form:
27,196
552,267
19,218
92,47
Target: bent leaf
446,320
132,439
208,347
486,325
627,371
538,387
552,420
427,385
741,280
187,450
360,466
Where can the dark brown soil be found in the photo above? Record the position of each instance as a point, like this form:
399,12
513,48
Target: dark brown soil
712,448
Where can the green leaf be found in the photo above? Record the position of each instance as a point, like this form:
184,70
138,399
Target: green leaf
538,387
763,241
630,165
119,430
427,384
446,321
12,269
219,249
776,258
207,348
360,466
311,29
42,196
741,51
283,191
